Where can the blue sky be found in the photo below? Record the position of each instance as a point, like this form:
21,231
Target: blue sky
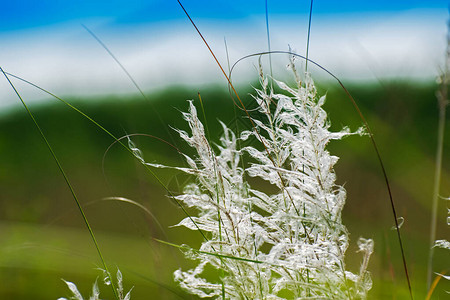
43,41
20,14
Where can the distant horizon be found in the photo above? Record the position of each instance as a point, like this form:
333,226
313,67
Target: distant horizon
47,45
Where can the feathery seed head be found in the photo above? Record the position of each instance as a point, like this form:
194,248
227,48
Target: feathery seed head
266,244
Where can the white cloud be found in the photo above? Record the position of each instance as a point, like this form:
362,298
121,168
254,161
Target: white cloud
67,61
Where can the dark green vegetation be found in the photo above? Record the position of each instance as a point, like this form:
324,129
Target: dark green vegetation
43,238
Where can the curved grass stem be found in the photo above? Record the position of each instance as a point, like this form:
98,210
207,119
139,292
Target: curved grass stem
374,144
116,140
66,179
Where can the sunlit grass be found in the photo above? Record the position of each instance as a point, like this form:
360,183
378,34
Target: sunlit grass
42,198
57,245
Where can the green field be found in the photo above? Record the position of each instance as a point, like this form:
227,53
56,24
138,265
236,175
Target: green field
43,238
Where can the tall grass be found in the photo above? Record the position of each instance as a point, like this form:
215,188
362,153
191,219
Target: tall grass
280,239
396,219
290,243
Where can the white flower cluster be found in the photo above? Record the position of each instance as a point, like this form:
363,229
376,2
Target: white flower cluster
286,244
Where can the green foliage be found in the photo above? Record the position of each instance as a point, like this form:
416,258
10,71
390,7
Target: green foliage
39,221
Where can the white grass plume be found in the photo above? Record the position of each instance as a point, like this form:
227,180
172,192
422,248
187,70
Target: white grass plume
95,290
289,244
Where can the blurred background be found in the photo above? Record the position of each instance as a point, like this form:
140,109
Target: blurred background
388,54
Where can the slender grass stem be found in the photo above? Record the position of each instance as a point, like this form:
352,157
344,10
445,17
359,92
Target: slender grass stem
239,98
219,218
115,59
130,77
442,97
214,254
434,284
436,189
69,185
171,195
268,40
309,34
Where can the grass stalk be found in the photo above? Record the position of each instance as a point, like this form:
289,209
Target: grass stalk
236,93
115,59
219,218
130,77
268,39
309,35
66,179
116,140
442,97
